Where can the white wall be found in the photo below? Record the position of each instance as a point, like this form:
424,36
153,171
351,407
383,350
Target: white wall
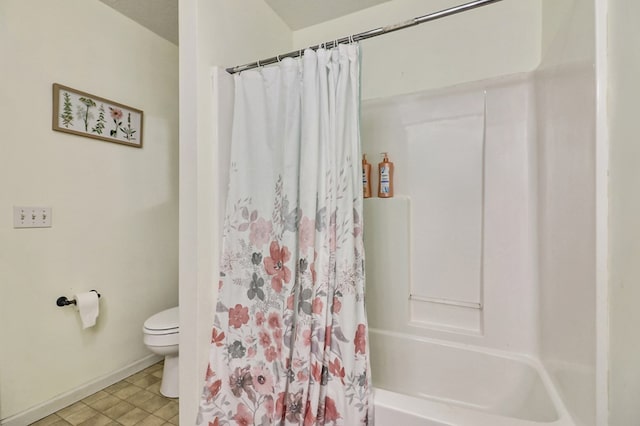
492,41
567,32
624,68
222,33
114,207
566,151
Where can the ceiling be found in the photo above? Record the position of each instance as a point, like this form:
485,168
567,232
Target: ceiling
299,14
161,16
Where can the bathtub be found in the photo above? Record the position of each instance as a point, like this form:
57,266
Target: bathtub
425,382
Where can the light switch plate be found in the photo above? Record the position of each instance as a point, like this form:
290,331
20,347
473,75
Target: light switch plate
31,217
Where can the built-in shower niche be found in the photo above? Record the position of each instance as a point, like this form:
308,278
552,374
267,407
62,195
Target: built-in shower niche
453,254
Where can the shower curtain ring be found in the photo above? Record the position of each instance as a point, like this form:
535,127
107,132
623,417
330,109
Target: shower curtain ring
258,63
278,58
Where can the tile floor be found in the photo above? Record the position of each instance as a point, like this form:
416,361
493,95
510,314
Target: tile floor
134,401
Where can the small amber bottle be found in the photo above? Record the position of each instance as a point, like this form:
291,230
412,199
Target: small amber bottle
385,177
366,177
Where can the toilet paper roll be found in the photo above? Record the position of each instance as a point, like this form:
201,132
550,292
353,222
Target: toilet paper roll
87,305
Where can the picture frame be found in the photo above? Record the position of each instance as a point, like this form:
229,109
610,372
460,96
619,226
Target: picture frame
84,114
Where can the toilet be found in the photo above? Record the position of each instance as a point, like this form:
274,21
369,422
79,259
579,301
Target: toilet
161,334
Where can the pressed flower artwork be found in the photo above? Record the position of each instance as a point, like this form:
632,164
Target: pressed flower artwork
83,114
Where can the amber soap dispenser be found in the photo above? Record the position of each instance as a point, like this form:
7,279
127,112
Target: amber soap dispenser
385,177
366,177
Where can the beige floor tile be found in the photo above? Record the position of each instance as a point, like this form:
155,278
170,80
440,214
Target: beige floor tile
168,411
140,397
155,388
95,397
116,387
136,376
146,380
133,417
127,392
118,410
175,420
80,415
61,422
49,420
105,403
154,403
151,421
97,420
67,411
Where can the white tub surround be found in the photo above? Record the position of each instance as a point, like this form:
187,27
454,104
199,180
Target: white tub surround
464,172
452,260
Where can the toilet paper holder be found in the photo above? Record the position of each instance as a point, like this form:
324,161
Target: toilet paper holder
63,301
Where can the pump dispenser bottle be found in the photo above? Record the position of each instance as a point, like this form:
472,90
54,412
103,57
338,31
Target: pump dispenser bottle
385,177
366,177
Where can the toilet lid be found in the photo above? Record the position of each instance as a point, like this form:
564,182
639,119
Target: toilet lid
167,320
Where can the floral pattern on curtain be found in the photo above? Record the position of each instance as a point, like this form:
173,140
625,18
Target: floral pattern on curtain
289,343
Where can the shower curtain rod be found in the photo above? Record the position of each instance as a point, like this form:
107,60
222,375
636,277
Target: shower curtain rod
367,34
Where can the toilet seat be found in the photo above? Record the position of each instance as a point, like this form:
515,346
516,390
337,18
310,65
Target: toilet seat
163,323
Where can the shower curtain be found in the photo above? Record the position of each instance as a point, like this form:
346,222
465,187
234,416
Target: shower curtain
289,343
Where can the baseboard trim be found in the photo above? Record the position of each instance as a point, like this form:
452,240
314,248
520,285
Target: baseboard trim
46,408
